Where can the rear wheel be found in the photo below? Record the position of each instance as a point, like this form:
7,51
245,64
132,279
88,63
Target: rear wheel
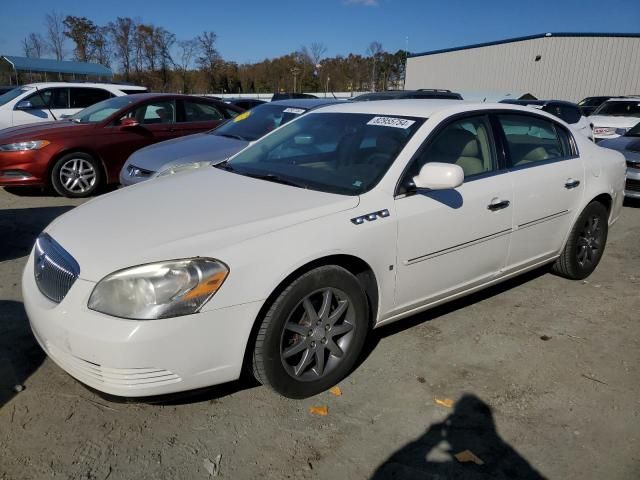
585,244
76,175
313,333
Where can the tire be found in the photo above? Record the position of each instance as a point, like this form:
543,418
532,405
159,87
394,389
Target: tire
302,347
76,175
585,244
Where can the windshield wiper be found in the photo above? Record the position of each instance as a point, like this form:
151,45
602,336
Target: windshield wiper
230,135
270,177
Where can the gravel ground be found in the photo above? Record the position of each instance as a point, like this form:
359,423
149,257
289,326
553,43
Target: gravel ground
542,373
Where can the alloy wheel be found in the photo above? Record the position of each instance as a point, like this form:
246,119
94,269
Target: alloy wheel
589,241
317,334
77,175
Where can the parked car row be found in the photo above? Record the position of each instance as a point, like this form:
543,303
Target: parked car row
324,222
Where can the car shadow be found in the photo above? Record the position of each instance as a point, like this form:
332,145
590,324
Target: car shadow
49,192
20,354
466,445
20,227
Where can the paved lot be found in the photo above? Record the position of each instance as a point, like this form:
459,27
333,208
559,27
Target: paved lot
543,372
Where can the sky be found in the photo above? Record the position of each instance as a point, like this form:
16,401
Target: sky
252,30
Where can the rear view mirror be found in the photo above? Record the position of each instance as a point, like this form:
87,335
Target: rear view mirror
24,105
129,123
439,176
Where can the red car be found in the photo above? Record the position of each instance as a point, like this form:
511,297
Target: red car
79,154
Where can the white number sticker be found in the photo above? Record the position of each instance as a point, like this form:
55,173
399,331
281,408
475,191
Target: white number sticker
391,122
295,111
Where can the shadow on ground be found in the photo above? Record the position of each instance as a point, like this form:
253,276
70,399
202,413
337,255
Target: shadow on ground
470,428
20,227
20,354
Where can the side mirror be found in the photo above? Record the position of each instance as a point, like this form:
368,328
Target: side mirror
24,105
439,176
129,123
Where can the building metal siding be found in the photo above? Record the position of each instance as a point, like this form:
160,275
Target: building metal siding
570,67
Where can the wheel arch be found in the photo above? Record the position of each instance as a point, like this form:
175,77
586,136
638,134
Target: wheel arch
355,265
85,150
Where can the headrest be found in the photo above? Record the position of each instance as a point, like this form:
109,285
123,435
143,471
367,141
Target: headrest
458,142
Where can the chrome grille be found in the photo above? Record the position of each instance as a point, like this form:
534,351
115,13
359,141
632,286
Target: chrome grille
54,268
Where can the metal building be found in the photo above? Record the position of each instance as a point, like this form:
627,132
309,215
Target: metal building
16,70
567,66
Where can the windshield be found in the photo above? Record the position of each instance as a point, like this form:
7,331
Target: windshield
634,132
620,109
344,153
256,123
101,110
11,94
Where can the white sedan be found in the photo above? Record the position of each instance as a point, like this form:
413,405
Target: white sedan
282,258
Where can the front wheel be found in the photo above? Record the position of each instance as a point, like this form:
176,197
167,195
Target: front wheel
585,244
76,175
312,334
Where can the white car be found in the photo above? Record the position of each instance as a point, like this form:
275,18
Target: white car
42,102
282,258
615,117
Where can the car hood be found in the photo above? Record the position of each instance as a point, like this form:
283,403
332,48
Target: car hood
621,143
193,148
613,121
34,131
194,213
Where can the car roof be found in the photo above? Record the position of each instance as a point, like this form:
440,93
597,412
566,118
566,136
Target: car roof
85,84
422,108
538,102
624,99
307,103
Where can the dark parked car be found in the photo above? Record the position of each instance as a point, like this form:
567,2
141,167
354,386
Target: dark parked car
77,155
402,94
244,103
5,88
288,96
588,105
212,147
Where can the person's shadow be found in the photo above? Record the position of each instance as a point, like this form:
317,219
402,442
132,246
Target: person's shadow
470,427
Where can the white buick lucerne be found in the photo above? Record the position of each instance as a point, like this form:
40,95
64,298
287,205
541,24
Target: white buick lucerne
282,258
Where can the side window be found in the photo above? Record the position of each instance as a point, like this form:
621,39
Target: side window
154,113
465,142
201,112
85,97
532,139
50,98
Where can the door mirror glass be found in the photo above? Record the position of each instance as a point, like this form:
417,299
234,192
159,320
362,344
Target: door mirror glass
129,123
24,105
439,176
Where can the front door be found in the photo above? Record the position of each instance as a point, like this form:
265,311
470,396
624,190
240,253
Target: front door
548,184
451,240
45,105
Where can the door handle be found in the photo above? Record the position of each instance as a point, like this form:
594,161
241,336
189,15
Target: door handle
497,204
571,183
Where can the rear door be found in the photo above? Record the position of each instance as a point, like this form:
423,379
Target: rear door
452,240
83,97
548,183
196,117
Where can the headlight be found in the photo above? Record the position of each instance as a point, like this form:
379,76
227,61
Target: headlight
181,168
159,290
24,146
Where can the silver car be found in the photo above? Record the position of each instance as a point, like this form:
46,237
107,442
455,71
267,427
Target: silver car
203,149
629,145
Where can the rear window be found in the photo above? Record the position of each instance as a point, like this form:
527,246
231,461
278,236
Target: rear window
85,97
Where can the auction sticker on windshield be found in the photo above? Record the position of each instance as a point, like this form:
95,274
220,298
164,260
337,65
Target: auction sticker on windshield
295,111
242,116
391,122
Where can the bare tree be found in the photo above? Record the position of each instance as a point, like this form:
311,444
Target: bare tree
163,41
101,47
55,33
34,45
187,49
316,52
122,33
374,50
209,56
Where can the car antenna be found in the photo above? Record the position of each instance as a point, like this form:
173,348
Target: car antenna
45,103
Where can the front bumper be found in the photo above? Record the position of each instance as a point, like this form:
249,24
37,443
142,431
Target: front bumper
132,358
22,168
632,184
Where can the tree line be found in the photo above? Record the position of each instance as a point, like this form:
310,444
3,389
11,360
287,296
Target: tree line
151,55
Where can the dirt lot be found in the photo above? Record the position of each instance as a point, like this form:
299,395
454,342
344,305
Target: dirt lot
544,374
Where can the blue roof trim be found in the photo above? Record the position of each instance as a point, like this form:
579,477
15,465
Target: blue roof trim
520,39
57,66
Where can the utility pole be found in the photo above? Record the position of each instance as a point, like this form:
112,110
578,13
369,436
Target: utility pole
295,71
